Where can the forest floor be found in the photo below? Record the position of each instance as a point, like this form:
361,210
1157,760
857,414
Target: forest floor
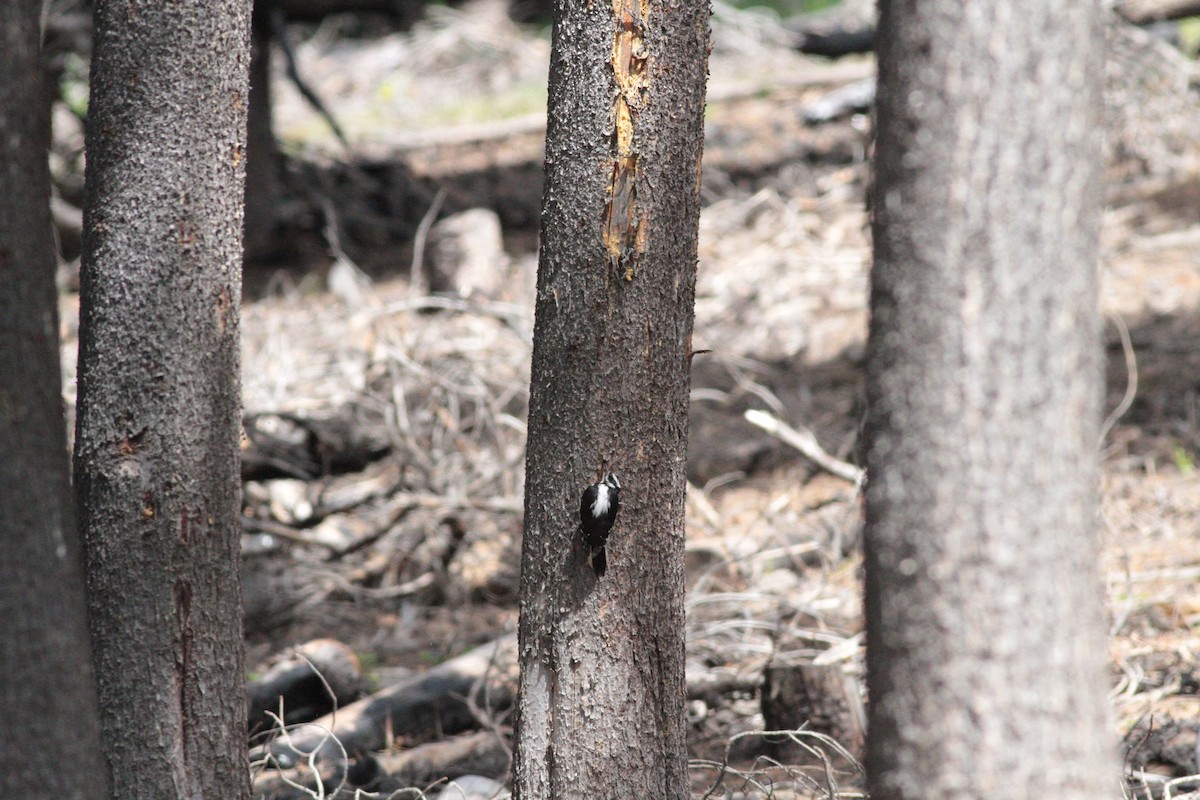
413,557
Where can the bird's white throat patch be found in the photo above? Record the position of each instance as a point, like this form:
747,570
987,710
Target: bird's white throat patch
601,503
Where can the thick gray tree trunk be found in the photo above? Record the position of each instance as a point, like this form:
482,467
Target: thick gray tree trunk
50,738
985,641
601,706
156,459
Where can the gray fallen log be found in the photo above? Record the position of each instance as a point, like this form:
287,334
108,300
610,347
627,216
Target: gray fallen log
478,754
448,699
458,695
308,682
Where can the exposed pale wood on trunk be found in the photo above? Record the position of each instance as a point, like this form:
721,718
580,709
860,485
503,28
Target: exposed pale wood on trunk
601,709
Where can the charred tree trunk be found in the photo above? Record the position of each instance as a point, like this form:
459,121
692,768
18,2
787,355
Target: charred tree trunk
601,695
601,698
985,641
50,739
156,458
263,189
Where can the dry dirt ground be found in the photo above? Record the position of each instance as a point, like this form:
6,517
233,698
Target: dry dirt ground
413,558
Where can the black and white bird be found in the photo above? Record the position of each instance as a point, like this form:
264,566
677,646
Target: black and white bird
597,511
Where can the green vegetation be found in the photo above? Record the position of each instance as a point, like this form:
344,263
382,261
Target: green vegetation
368,662
1189,35
73,86
398,109
1183,461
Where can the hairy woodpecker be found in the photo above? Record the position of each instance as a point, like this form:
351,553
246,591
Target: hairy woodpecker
597,511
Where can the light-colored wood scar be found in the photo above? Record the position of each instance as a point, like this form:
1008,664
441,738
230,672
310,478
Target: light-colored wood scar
625,221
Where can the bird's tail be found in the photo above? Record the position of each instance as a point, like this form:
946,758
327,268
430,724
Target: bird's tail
598,560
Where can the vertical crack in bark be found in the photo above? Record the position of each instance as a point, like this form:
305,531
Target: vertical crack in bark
224,306
625,222
183,673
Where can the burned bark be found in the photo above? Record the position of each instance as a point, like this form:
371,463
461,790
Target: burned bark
156,458
50,739
601,706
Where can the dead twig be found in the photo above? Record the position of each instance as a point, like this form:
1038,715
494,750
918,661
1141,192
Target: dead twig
278,28
1131,380
420,285
805,441
759,776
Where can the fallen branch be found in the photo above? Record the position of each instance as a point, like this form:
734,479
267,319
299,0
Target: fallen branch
805,441
321,530
308,682
445,700
285,532
420,708
1140,12
278,444
482,753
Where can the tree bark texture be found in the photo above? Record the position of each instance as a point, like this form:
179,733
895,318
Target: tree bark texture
986,650
156,458
601,697
50,739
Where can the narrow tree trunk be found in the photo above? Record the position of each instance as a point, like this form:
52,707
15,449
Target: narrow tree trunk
985,640
157,438
50,737
263,191
601,699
